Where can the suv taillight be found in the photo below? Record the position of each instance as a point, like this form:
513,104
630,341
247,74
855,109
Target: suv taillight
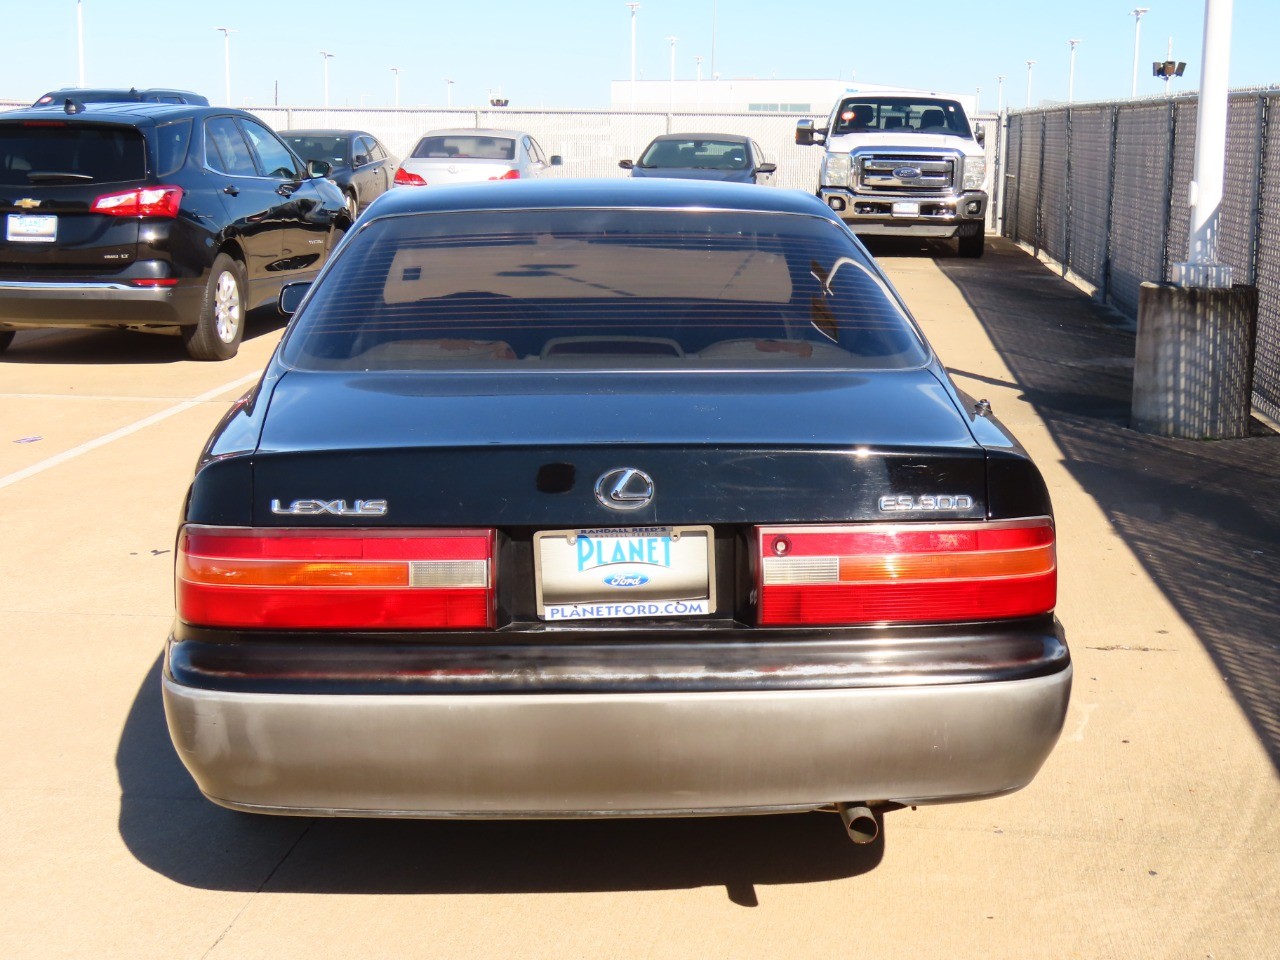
906,573
406,179
509,175
315,579
144,202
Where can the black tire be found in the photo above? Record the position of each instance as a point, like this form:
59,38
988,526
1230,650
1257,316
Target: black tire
217,333
971,244
6,338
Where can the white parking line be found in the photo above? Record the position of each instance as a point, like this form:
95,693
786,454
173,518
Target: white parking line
142,424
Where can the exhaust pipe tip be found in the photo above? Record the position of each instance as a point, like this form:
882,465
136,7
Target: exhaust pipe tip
859,822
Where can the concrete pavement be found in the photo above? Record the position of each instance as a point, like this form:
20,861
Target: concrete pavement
1152,831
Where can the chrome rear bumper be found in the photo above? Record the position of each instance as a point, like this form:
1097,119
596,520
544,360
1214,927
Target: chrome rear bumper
613,754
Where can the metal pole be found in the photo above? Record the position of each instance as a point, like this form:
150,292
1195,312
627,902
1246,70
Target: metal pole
1000,94
1071,74
226,57
1030,64
977,100
448,94
396,71
633,7
1137,34
1167,77
671,90
80,39
327,57
714,75
1202,267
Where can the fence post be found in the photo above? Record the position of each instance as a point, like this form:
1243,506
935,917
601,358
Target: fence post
1105,288
1017,181
1067,209
1044,117
1168,189
1262,165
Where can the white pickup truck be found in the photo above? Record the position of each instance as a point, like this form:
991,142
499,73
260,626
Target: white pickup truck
903,165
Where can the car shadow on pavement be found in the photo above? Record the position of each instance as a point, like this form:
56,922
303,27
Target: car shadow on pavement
169,827
1202,517
104,347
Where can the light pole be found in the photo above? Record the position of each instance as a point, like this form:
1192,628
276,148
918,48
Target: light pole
977,100
633,7
671,101
226,60
327,57
1136,13
80,39
396,71
1030,64
1000,93
714,75
448,94
1071,73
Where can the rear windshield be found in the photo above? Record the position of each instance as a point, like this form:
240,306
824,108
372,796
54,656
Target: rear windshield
532,289
901,115
694,153
50,152
465,146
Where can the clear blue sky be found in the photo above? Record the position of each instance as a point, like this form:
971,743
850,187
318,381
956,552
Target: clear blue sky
564,53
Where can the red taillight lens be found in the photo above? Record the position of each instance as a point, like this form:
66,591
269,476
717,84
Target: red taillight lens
509,175
406,179
147,202
906,573
155,282
336,579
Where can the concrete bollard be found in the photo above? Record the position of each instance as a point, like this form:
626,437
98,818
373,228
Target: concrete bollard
1193,369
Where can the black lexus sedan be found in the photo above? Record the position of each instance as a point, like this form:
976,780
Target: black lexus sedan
359,164
703,156
166,218
610,498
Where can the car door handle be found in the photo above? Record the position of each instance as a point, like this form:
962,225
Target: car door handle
231,190
286,189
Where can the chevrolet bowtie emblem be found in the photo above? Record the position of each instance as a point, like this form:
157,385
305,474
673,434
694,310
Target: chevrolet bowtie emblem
27,204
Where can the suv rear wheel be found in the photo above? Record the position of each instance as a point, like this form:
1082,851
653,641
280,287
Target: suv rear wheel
217,333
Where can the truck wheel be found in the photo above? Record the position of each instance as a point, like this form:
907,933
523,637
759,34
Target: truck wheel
971,244
6,338
217,333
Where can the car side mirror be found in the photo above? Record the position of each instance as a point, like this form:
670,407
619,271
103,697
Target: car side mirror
291,295
557,160
980,133
767,168
625,164
806,135
360,159
319,168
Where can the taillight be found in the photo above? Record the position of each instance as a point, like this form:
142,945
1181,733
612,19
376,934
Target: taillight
906,573
148,282
509,175
406,179
312,579
145,202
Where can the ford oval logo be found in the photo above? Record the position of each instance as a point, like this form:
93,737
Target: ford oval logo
908,173
625,580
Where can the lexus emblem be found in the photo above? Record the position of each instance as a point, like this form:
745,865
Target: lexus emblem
624,488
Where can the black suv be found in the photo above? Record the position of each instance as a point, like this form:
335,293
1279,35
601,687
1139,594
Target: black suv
119,95
151,216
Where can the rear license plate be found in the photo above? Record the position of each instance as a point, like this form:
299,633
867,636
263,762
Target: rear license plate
31,228
906,208
624,572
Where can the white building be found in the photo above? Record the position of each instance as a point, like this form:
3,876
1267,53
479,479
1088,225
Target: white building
813,97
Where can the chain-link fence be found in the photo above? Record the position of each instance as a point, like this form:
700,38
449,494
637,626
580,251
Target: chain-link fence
1103,190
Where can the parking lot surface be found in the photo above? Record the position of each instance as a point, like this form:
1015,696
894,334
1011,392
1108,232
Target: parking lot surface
1152,831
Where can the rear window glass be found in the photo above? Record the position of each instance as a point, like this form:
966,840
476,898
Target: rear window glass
465,147
172,142
601,289
701,154
330,149
74,153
